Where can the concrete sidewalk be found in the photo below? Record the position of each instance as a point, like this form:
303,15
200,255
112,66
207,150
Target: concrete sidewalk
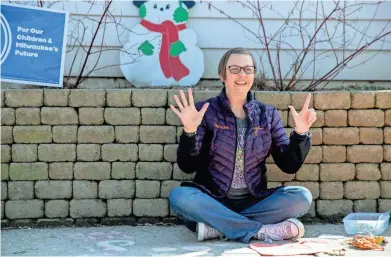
142,241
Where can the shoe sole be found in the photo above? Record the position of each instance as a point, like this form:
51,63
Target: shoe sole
200,231
300,226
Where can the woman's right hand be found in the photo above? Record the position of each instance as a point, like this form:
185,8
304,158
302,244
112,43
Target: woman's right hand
189,116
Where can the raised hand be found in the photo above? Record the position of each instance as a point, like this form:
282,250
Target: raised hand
305,118
188,114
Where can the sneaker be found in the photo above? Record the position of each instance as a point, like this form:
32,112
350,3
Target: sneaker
206,232
290,229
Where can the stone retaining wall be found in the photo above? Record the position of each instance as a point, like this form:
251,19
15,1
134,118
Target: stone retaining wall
108,156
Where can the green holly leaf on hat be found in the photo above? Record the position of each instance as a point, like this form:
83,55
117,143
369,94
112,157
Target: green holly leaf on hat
146,47
177,48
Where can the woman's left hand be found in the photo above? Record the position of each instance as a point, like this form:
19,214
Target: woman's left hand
305,118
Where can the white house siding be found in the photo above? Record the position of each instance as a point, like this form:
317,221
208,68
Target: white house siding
217,33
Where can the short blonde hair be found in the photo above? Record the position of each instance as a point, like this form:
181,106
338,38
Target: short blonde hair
222,71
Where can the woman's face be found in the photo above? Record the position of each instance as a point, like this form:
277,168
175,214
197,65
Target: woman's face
239,75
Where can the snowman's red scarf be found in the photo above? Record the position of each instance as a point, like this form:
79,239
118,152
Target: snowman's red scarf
171,66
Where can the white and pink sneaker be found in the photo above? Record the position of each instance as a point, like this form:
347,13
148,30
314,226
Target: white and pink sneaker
290,229
205,232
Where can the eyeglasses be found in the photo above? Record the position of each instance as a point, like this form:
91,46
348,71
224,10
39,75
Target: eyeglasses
235,69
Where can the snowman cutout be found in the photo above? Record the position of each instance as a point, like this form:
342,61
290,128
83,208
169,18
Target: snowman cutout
161,50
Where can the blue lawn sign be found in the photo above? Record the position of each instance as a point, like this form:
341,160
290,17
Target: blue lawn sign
33,42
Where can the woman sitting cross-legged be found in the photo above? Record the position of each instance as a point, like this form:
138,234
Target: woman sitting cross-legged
226,140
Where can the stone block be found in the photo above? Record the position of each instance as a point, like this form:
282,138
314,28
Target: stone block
4,171
172,118
127,134
65,134
276,174
118,97
24,98
157,134
24,153
56,97
385,189
154,170
53,189
385,171
87,208
149,98
368,171
4,190
92,170
110,189
387,135
6,135
341,136
28,116
28,171
365,206
363,100
384,205
387,118
20,190
150,207
7,116
336,118
340,208
337,171
298,99
362,190
2,98
123,170
314,155
5,153
32,134
122,116
317,136
119,207
167,186
24,209
170,152
387,153
383,99
150,152
147,189
308,172
317,124
153,116
119,152
87,98
371,136
366,118
199,95
280,100
95,134
59,116
331,190
57,209
57,152
88,152
84,189
61,170
334,153
91,116
365,153
332,100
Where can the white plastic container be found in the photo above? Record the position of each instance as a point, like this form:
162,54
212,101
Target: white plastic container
363,222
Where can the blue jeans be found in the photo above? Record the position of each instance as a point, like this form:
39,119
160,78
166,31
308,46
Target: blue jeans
193,205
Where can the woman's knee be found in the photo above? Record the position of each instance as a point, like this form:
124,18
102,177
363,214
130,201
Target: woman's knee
180,197
301,200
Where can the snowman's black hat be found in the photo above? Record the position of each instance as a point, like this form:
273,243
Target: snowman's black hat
189,4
